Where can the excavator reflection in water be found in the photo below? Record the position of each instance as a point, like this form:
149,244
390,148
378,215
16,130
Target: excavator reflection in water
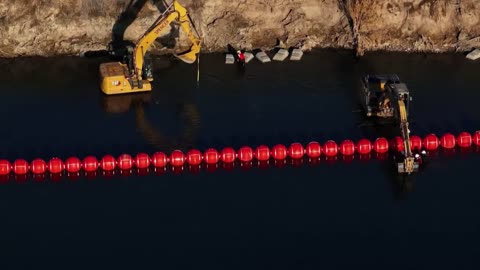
119,104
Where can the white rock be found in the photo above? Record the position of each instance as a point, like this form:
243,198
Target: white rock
248,57
474,55
296,55
263,57
281,55
229,59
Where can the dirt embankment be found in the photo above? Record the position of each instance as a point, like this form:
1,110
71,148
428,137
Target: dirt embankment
55,27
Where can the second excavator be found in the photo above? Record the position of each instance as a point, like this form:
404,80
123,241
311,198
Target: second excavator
387,98
134,73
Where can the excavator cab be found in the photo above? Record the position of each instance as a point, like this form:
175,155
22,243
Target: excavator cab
399,92
147,69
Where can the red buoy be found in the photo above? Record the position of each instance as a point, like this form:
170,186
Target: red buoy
416,142
159,159
364,146
262,153
194,157
330,148
431,142
279,152
380,145
73,164
476,138
448,141
125,162
296,151
90,164
5,167
38,166
108,163
347,148
211,156
464,139
228,155
245,154
55,165
397,144
142,161
313,149
20,166
177,158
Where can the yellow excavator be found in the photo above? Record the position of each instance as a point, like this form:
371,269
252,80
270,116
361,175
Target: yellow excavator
386,97
134,74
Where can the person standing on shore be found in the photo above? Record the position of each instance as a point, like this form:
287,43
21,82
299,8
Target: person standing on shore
241,58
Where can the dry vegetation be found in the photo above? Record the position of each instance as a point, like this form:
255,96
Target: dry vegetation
49,27
357,11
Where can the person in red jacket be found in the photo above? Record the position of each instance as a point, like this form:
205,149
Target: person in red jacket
241,56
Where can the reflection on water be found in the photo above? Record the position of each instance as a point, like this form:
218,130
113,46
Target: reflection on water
187,114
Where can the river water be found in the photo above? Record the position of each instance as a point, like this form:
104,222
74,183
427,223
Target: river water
325,216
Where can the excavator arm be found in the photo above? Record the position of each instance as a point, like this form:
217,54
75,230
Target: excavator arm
174,13
409,161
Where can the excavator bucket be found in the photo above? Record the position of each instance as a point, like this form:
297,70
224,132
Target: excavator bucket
189,56
408,166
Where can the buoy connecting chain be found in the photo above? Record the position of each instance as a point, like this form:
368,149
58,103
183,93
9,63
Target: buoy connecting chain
228,155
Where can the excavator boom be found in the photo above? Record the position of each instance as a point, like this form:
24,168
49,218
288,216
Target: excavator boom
408,165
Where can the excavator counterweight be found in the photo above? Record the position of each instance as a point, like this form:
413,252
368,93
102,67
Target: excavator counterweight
134,73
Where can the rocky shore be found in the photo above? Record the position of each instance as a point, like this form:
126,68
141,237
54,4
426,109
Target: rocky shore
69,27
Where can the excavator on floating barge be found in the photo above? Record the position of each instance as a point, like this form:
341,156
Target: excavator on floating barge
134,73
387,98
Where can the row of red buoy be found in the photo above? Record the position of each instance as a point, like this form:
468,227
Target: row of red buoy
210,168
193,169
245,154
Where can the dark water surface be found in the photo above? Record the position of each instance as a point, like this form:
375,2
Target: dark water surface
326,216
